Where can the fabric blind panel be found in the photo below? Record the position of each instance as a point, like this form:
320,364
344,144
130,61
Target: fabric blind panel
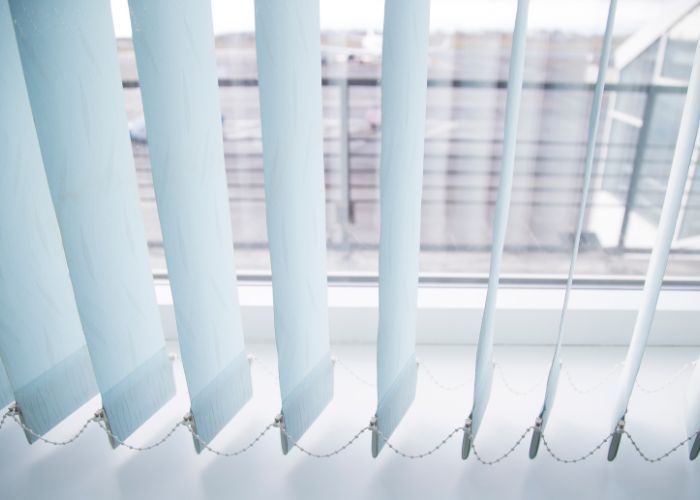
687,134
288,44
593,122
69,57
693,410
41,338
179,88
6,396
404,88
484,353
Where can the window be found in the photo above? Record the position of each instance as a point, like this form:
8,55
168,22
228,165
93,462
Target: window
466,98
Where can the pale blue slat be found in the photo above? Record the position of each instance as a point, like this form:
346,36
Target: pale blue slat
176,60
483,376
41,339
223,397
308,399
56,393
593,122
404,89
289,69
692,418
71,69
682,157
134,399
6,396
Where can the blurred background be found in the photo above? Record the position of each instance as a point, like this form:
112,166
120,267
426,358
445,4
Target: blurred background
469,54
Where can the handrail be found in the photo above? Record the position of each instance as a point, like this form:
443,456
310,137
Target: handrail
670,88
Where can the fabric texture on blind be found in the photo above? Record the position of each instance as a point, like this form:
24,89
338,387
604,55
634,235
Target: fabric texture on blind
404,88
682,156
41,338
693,409
71,69
484,353
593,122
179,88
6,396
288,44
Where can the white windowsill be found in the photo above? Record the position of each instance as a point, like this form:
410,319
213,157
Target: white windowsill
448,315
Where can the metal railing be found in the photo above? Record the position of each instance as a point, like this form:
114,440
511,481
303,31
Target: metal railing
356,165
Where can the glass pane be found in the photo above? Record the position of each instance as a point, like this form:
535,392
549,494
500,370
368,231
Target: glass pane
468,70
680,47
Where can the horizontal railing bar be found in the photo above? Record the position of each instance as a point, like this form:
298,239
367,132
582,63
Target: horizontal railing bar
457,172
464,248
457,157
358,137
469,84
459,203
479,280
469,280
475,188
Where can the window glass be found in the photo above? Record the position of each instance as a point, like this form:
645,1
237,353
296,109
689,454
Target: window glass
468,70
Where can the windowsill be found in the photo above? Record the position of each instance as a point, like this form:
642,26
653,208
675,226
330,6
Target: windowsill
452,315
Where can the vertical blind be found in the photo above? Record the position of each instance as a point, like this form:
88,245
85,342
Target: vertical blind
69,58
484,354
593,121
693,410
77,305
6,396
404,88
288,45
682,156
179,88
41,341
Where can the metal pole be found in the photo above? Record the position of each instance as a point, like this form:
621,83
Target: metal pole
637,165
347,215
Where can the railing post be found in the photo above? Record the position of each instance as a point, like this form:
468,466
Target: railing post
347,215
637,165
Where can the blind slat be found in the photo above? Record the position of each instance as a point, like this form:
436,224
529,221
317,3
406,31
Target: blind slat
687,134
593,121
6,396
404,88
484,353
693,411
69,57
41,338
179,89
288,45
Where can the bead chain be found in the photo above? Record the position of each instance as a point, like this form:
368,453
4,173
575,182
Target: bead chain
13,414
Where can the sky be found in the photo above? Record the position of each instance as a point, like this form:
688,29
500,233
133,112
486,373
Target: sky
573,16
